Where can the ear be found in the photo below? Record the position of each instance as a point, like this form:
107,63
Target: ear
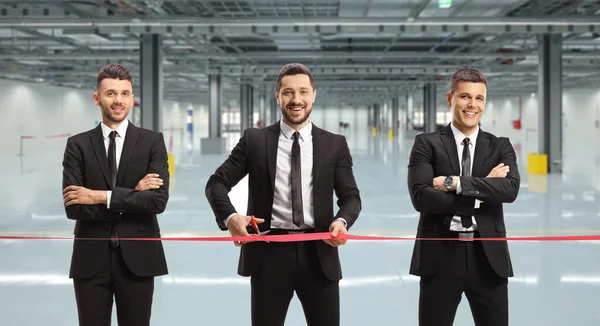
277,98
449,98
314,96
96,98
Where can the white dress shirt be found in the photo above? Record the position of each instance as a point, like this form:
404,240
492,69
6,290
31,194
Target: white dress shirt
119,140
282,217
456,224
282,196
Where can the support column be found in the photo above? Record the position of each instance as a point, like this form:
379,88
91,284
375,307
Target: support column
550,100
214,144
245,107
151,81
395,117
410,111
275,115
376,116
429,107
262,105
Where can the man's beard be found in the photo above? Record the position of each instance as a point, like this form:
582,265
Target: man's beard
108,114
296,120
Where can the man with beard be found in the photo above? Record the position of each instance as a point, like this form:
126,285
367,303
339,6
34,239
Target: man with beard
294,167
115,182
458,179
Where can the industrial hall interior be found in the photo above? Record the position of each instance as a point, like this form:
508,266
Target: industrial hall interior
139,137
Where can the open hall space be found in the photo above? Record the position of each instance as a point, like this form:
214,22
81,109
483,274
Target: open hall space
204,71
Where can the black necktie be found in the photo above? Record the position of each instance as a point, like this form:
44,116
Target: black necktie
297,210
112,166
112,158
466,172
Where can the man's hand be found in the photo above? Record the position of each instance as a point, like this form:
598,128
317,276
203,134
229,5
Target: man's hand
237,226
438,183
336,228
77,195
150,181
500,171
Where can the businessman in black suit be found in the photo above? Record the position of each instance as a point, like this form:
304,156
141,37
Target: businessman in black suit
294,168
115,182
458,179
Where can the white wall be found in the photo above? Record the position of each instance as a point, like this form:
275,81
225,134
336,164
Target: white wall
329,117
581,110
39,111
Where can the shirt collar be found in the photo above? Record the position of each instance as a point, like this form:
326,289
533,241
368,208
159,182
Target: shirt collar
121,129
288,131
459,136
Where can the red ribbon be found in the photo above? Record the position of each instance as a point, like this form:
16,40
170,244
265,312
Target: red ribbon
308,237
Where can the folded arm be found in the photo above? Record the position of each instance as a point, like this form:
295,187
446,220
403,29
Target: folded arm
73,179
424,197
152,201
503,190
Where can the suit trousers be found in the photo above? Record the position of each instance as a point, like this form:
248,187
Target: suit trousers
132,294
293,267
468,271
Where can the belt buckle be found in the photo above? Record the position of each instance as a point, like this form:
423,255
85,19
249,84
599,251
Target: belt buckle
295,231
466,236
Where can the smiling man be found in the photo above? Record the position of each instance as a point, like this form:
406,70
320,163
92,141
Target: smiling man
458,179
115,182
294,168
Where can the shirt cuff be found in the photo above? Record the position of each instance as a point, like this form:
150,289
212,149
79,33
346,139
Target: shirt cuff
228,218
458,188
108,194
343,220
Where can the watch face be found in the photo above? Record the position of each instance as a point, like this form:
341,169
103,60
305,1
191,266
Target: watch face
448,181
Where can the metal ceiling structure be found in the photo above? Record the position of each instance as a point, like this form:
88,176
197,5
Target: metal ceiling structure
360,51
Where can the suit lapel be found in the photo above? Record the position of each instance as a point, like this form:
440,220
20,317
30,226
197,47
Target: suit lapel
97,140
450,143
131,138
481,150
272,142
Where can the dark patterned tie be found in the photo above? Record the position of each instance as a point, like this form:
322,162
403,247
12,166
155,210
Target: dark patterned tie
466,172
297,209
112,166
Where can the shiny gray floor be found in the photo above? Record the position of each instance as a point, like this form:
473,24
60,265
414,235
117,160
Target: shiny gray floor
556,283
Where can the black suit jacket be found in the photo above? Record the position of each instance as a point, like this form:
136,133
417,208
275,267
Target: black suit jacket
134,212
256,155
435,154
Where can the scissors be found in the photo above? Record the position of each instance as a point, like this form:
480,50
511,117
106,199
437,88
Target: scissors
255,226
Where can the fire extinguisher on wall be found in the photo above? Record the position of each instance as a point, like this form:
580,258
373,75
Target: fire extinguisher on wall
517,123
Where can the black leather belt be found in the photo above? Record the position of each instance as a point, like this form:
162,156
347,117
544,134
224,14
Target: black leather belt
283,231
464,236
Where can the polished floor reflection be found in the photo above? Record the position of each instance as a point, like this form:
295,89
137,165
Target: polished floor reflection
555,283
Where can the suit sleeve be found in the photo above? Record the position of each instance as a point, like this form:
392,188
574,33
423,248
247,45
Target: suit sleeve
503,190
424,197
154,201
73,176
345,186
226,177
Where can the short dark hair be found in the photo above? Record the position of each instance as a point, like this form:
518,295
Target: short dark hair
113,71
466,74
294,69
